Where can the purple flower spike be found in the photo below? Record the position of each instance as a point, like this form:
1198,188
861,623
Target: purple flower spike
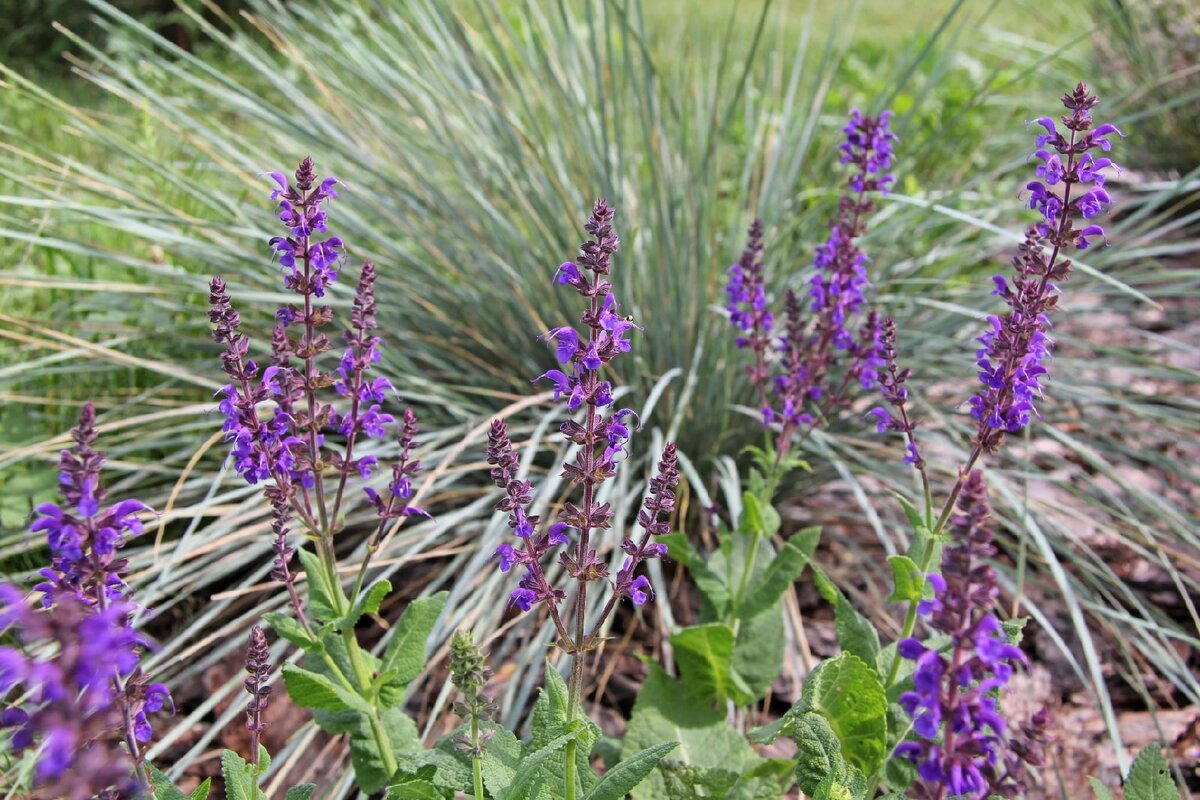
1016,348
963,748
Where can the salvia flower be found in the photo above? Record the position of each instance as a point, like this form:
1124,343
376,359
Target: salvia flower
892,382
831,339
91,686
963,747
1016,347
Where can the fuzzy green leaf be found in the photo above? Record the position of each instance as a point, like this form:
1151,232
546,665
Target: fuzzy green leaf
759,517
1149,777
667,710
531,764
916,520
705,655
417,786
311,690
549,723
162,786
301,791
768,779
240,780
910,585
288,628
321,596
847,693
855,632
818,751
621,779
201,791
759,650
402,735
501,759
368,602
769,585
1099,790
405,653
708,582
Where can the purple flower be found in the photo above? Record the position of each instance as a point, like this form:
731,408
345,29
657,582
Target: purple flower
962,740
1012,360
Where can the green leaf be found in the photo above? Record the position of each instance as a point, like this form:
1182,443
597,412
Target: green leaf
311,690
686,782
417,786
321,596
910,585
711,585
367,603
500,760
759,517
288,628
1149,777
162,786
769,779
301,791
550,722
201,791
451,770
818,751
759,650
621,779
916,520
240,780
402,735
531,764
1099,790
847,693
855,632
666,711
405,653
704,654
768,586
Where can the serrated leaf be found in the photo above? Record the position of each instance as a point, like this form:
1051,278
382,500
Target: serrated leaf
451,770
818,751
1014,629
548,723
240,780
311,690
406,652
321,596
288,628
704,654
686,782
532,763
769,585
419,785
847,693
162,786
624,777
708,582
201,791
667,710
368,602
908,582
500,760
301,791
1150,778
402,735
767,734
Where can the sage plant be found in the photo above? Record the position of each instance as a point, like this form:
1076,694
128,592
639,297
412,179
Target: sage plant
87,702
299,429
600,440
819,354
951,698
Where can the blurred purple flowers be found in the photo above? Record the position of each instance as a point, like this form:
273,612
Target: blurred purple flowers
819,334
90,692
1016,347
